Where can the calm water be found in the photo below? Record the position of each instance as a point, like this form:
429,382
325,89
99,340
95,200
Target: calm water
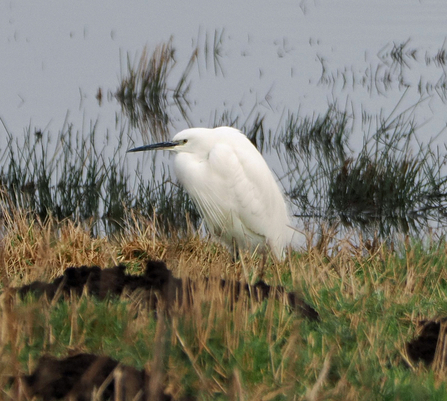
275,56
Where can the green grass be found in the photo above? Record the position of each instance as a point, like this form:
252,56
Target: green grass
369,305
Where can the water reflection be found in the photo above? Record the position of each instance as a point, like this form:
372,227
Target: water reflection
145,92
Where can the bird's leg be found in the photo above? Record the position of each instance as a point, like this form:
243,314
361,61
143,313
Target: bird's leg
235,252
262,265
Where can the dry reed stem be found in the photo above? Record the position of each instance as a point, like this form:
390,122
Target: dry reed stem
440,360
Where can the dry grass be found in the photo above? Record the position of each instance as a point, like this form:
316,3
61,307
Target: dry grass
369,300
32,248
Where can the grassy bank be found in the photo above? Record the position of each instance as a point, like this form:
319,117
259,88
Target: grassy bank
369,303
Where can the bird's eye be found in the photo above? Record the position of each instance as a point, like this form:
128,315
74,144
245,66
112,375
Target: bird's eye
184,141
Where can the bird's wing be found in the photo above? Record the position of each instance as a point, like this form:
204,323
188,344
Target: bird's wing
259,193
205,188
252,192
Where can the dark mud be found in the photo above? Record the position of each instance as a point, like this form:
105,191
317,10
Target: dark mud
156,283
83,377
423,347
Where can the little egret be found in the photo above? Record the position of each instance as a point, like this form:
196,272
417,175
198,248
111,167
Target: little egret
232,186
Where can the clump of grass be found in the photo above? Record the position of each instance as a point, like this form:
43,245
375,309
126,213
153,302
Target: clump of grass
388,187
64,179
70,177
33,248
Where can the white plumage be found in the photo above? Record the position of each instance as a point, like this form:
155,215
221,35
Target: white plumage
232,186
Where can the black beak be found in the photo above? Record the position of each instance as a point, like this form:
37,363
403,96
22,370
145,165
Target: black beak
161,145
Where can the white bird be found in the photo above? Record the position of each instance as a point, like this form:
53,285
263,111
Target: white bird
232,187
